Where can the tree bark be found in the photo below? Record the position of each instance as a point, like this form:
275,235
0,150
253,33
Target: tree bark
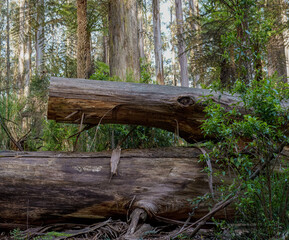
39,45
37,188
181,45
167,107
28,52
276,47
276,57
8,48
22,39
83,41
140,32
105,42
158,42
195,53
124,60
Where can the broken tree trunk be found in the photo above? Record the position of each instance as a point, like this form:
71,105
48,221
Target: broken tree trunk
176,109
37,188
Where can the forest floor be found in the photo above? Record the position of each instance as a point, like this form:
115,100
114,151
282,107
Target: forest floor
112,229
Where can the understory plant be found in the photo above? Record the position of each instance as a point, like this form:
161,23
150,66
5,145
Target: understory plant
249,142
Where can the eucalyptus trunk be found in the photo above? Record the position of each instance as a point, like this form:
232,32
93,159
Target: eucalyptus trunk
140,32
124,57
158,43
21,38
8,48
40,37
195,52
181,45
28,52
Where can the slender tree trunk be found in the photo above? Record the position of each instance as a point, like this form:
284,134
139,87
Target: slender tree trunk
71,50
8,60
123,38
89,62
105,42
105,50
181,45
194,7
83,41
174,66
22,38
8,47
140,32
158,42
286,46
40,37
27,55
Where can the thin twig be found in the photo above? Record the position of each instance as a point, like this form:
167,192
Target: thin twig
94,138
209,164
71,114
80,127
6,130
123,140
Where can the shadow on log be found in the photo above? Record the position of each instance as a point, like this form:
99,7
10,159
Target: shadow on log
176,109
49,187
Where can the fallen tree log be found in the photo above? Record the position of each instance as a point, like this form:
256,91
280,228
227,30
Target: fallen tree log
176,109
37,188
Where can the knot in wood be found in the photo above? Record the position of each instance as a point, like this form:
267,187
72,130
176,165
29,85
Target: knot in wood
185,101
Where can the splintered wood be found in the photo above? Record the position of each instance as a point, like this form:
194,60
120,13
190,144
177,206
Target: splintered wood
114,161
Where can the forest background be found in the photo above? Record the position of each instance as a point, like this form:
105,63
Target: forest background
233,45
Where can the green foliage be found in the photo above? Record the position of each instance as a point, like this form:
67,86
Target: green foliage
234,39
145,74
251,135
101,72
16,234
56,136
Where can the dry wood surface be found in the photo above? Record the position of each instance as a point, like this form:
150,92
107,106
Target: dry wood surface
45,187
176,109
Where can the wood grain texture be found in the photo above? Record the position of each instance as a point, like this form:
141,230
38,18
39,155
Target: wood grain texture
50,187
176,109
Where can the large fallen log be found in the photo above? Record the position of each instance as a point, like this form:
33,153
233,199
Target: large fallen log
43,187
176,109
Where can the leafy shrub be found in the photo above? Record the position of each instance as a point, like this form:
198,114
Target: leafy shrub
250,138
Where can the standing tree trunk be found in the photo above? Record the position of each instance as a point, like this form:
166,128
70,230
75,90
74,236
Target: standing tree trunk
83,41
286,46
140,32
158,43
39,37
105,50
174,65
194,7
8,47
27,51
105,42
276,57
24,47
181,45
123,38
276,47
22,39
